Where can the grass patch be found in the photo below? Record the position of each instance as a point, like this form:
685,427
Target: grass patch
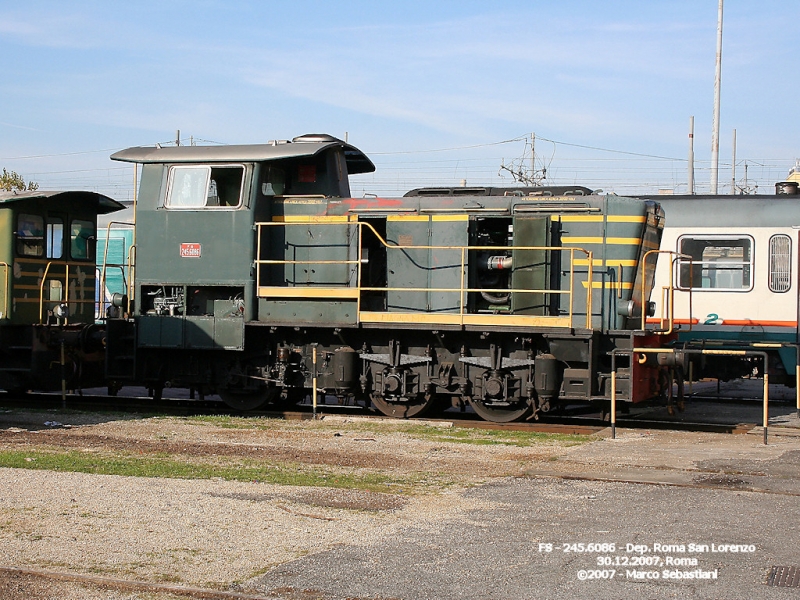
519,439
418,431
240,470
231,422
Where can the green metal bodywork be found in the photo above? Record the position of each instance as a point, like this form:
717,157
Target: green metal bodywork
289,231
32,285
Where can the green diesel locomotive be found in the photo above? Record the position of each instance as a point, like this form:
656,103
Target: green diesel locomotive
259,277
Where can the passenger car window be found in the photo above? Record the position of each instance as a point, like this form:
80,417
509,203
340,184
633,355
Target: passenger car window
30,235
81,238
780,263
718,263
205,186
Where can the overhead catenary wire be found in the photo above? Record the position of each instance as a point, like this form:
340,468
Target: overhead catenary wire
401,170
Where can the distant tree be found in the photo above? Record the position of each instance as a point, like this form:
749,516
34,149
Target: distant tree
14,181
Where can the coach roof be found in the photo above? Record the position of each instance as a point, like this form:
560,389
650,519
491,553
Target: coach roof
102,204
302,146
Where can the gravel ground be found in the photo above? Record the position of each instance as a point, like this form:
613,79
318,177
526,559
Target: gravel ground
213,533
234,536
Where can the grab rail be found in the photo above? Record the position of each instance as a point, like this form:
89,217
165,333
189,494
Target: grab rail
102,303
667,292
462,290
64,290
4,314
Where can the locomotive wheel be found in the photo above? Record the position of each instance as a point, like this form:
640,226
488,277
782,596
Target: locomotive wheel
413,407
501,414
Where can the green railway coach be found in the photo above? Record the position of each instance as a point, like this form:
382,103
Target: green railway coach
48,335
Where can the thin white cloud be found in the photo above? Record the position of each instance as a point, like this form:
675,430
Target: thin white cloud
16,126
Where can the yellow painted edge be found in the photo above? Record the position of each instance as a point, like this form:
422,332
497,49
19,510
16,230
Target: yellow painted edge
611,262
57,262
35,288
516,320
50,277
408,218
581,218
600,218
300,219
452,319
427,318
627,218
616,241
46,302
609,285
450,217
307,292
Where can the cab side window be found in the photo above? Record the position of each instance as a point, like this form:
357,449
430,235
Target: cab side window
197,187
54,238
81,236
30,235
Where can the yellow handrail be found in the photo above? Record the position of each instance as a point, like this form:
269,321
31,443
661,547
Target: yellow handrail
64,290
4,314
667,293
105,265
462,290
131,276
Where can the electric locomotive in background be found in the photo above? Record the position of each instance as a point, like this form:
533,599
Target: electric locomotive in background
258,277
48,334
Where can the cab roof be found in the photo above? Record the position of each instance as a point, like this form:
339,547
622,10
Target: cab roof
302,146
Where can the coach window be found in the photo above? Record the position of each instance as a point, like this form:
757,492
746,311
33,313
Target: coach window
204,186
718,263
54,238
780,263
81,246
30,235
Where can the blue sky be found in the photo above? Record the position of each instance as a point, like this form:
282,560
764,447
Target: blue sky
428,90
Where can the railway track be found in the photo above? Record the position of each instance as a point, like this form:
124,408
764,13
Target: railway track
579,420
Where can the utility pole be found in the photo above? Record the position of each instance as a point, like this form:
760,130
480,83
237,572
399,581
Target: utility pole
717,84
733,165
178,137
691,155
